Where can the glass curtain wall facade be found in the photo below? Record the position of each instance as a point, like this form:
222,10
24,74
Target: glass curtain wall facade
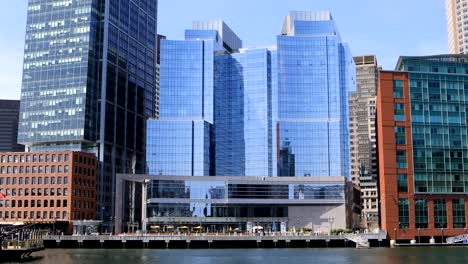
280,111
88,83
261,112
423,124
315,73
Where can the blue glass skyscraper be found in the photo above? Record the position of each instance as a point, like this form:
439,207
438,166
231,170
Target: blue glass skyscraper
315,73
88,83
268,112
278,111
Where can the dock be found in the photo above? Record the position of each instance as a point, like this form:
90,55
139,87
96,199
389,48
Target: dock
19,250
214,241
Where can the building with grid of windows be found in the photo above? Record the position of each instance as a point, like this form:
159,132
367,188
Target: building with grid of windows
457,18
89,82
362,113
228,111
423,147
47,188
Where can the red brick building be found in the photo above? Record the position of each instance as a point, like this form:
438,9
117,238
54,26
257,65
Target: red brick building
422,148
50,188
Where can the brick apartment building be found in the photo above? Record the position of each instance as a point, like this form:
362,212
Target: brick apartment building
47,188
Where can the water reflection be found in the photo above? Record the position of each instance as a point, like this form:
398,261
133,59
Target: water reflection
247,256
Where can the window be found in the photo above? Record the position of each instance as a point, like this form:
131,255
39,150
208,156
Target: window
66,157
421,217
22,158
59,180
60,157
399,111
398,89
34,158
47,158
65,168
401,159
400,136
65,180
440,213
41,158
458,207
54,158
402,183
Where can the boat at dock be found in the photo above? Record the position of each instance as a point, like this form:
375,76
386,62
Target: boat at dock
12,250
18,244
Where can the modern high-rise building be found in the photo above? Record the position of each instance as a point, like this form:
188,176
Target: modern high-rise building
9,116
157,74
457,18
88,83
362,111
260,112
315,73
423,147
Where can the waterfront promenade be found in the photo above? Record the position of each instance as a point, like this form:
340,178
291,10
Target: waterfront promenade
214,241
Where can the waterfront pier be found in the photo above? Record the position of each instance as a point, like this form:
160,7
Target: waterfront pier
213,241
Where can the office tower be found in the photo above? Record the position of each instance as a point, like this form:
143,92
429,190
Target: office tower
362,110
423,148
457,17
9,115
233,116
159,38
88,83
315,73
181,142
50,189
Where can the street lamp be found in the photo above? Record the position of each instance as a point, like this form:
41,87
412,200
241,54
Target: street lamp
394,230
331,220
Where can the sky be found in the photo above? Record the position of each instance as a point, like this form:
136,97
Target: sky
386,28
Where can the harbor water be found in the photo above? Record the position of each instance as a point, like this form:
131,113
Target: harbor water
250,256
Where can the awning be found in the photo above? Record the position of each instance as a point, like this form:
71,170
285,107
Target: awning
155,227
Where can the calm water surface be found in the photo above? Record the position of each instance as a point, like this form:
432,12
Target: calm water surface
248,256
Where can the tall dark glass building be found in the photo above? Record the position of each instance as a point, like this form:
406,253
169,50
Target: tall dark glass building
9,114
88,83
